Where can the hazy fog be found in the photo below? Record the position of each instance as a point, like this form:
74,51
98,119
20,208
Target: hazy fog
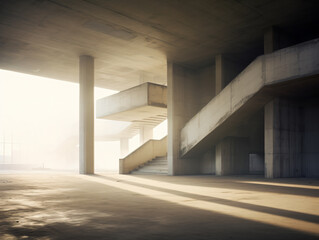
39,121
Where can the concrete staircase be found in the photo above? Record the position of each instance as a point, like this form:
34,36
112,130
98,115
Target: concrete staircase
268,75
157,166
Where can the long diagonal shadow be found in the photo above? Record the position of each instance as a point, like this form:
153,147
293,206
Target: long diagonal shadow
249,206
260,186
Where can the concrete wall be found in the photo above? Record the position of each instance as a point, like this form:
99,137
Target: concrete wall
292,137
207,162
206,80
256,163
145,153
310,146
283,139
232,156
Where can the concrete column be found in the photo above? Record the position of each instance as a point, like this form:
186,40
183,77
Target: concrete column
146,133
283,139
220,75
225,71
232,156
183,102
171,132
271,40
124,147
86,115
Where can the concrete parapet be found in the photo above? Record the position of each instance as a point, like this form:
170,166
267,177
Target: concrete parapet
148,151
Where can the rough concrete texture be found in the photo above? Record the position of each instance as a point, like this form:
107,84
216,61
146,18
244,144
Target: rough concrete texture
132,39
183,97
86,79
283,139
70,206
297,62
232,156
147,102
145,153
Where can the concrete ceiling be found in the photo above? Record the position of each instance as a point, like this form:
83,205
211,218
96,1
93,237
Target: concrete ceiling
131,40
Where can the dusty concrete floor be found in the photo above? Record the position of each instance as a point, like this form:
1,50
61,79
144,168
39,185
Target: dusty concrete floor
110,206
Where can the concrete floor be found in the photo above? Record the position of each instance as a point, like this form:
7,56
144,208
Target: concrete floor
111,206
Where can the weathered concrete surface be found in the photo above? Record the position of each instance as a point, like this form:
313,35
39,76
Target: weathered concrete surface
283,139
146,102
86,143
71,206
311,138
146,152
130,39
232,156
183,103
249,91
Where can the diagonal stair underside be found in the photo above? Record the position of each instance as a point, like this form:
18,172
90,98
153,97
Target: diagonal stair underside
278,73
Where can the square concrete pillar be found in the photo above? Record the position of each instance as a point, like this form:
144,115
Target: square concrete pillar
225,71
232,156
283,139
86,115
183,101
271,40
220,74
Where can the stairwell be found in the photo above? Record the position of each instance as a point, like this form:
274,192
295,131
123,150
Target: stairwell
157,166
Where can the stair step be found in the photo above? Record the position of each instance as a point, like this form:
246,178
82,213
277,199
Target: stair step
147,173
158,166
161,158
156,163
152,170
144,169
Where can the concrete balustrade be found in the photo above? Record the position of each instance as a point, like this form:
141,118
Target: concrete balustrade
148,151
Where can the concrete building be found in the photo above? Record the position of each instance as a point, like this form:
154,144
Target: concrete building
242,83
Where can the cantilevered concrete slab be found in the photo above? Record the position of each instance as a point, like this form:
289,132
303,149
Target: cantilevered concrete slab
276,74
146,103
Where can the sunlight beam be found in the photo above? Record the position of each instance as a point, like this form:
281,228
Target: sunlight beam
251,215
